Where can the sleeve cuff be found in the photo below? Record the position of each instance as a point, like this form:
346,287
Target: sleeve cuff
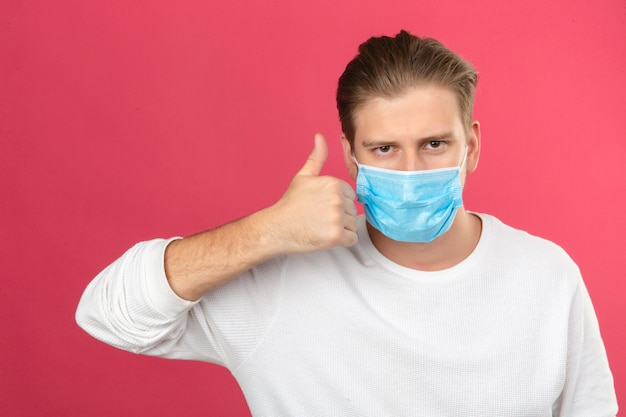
160,294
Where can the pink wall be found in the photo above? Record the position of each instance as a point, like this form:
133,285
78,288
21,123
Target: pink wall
124,121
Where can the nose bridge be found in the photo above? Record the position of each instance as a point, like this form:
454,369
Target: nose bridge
411,160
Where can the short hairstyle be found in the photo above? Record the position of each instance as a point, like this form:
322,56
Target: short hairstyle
388,67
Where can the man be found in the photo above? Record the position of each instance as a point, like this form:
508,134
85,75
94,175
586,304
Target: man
418,308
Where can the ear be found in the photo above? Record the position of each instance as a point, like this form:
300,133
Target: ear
348,158
473,147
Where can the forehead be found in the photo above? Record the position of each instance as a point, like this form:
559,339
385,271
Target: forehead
423,110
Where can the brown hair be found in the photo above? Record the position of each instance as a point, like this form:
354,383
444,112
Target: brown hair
387,67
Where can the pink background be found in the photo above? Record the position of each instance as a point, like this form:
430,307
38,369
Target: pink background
121,121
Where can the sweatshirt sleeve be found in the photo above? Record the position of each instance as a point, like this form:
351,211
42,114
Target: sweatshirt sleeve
588,387
130,304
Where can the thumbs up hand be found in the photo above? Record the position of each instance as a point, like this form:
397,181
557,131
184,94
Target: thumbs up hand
316,160
316,212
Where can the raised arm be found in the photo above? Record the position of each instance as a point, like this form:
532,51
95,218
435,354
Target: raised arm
316,212
131,304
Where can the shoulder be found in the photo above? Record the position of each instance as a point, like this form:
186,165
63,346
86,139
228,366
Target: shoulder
511,238
527,251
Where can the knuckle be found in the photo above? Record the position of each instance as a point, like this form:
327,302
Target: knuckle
335,201
332,182
335,236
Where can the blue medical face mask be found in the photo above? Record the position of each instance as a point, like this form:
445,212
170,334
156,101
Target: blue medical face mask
410,206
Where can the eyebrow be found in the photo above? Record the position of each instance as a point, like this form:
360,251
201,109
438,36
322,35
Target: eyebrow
382,142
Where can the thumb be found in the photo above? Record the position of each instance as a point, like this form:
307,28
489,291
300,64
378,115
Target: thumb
315,162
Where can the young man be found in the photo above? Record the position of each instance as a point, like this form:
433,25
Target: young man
418,308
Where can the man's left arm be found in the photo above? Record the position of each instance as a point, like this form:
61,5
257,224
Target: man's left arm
588,390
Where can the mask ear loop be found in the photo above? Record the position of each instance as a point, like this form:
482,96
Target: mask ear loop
355,160
464,157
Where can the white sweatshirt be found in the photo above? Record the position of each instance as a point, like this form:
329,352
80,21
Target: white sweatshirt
510,331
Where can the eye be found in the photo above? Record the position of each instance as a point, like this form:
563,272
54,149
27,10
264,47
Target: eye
383,150
434,144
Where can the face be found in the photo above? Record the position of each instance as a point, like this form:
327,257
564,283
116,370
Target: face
419,130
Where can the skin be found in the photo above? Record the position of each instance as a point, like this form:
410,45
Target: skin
421,129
